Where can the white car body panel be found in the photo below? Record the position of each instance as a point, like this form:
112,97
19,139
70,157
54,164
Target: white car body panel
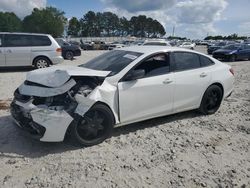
18,56
144,98
59,119
189,88
130,101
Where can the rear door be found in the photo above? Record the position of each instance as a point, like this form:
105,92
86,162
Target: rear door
2,55
191,79
18,49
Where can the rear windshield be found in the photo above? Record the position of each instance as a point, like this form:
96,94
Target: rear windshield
113,61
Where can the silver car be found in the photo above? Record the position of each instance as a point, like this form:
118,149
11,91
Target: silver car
26,49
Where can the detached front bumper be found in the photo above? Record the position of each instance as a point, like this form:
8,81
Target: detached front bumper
43,123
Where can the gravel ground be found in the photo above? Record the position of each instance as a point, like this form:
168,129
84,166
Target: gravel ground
182,150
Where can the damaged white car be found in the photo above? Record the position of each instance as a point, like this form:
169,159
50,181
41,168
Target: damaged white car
119,87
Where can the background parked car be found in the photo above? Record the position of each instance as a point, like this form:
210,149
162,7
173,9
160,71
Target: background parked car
116,44
68,50
217,45
233,52
156,43
74,42
188,45
27,49
87,45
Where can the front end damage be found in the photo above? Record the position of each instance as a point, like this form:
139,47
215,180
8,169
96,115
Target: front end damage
46,109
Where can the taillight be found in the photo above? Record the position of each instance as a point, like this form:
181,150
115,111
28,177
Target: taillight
59,50
232,71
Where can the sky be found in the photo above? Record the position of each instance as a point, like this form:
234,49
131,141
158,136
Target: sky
190,18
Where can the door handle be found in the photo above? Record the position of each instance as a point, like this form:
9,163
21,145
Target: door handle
202,75
9,51
167,81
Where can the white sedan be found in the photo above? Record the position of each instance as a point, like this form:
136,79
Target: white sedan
117,88
187,45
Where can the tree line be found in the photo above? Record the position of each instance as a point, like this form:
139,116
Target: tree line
48,20
229,37
109,24
52,21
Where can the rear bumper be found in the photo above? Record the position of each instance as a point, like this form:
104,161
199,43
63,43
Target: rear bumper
57,60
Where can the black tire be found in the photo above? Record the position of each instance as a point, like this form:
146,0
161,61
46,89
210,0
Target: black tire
41,62
69,55
211,100
96,126
232,58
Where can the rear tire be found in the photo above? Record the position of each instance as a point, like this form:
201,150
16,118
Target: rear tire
41,62
69,55
94,127
211,100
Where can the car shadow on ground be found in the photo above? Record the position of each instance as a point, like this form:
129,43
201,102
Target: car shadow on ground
16,143
15,69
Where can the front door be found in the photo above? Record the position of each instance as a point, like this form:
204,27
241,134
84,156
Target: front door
150,96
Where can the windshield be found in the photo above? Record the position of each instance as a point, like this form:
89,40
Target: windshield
113,61
231,47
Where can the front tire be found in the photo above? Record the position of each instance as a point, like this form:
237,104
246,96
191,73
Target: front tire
211,100
94,127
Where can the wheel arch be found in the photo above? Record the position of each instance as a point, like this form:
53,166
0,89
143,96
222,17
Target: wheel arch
219,85
103,103
215,83
41,56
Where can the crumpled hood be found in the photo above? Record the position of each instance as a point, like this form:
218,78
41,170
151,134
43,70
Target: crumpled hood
56,76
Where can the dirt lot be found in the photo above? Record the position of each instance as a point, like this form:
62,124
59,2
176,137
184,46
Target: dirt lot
182,150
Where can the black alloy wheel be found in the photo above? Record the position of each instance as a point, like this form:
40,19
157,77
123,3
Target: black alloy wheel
211,100
95,126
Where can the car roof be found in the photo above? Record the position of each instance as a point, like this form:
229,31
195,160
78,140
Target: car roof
153,49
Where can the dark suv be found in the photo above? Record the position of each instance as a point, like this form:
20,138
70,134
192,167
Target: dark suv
68,50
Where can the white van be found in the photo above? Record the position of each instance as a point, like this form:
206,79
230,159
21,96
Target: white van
28,49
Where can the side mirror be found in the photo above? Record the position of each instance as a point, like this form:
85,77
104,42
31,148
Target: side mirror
134,75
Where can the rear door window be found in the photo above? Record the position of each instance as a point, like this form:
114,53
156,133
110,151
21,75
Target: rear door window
18,40
40,41
205,61
185,61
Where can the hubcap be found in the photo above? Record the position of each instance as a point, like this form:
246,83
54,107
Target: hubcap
41,63
69,55
92,126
